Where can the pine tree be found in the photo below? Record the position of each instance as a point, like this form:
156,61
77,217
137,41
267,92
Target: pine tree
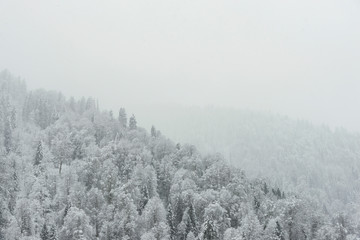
132,122
13,118
170,221
128,223
278,193
153,132
192,219
209,231
44,234
278,232
179,210
39,154
144,199
25,224
2,221
13,188
122,118
256,204
53,233
265,189
66,210
7,136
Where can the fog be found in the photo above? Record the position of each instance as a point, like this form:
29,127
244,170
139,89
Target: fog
245,126
297,58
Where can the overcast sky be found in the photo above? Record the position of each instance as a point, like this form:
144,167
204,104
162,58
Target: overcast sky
295,57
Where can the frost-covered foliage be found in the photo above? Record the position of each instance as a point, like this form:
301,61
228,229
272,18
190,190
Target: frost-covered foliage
294,155
71,171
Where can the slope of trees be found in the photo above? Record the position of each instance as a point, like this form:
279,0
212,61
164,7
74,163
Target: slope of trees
70,171
294,155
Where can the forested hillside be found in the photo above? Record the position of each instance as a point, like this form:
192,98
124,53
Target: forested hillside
295,155
69,170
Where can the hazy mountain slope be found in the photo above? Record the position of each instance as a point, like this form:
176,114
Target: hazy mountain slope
70,171
295,155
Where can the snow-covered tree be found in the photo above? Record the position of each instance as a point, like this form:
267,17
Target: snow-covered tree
44,234
76,225
122,117
115,183
3,221
39,154
250,227
132,122
53,233
8,141
154,219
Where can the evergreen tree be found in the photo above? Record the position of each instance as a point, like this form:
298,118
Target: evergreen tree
44,234
192,223
7,136
278,232
13,188
128,220
153,132
256,204
39,154
170,221
265,189
25,223
66,210
122,117
13,118
144,198
251,228
132,122
209,232
179,210
2,221
53,233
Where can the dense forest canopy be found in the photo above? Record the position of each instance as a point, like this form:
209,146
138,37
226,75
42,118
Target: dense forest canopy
69,170
295,155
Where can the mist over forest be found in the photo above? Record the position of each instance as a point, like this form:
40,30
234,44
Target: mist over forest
179,120
296,155
70,170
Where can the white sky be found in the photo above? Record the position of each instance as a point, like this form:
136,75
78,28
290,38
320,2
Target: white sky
296,57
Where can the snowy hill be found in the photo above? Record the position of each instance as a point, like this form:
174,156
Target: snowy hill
69,170
295,155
